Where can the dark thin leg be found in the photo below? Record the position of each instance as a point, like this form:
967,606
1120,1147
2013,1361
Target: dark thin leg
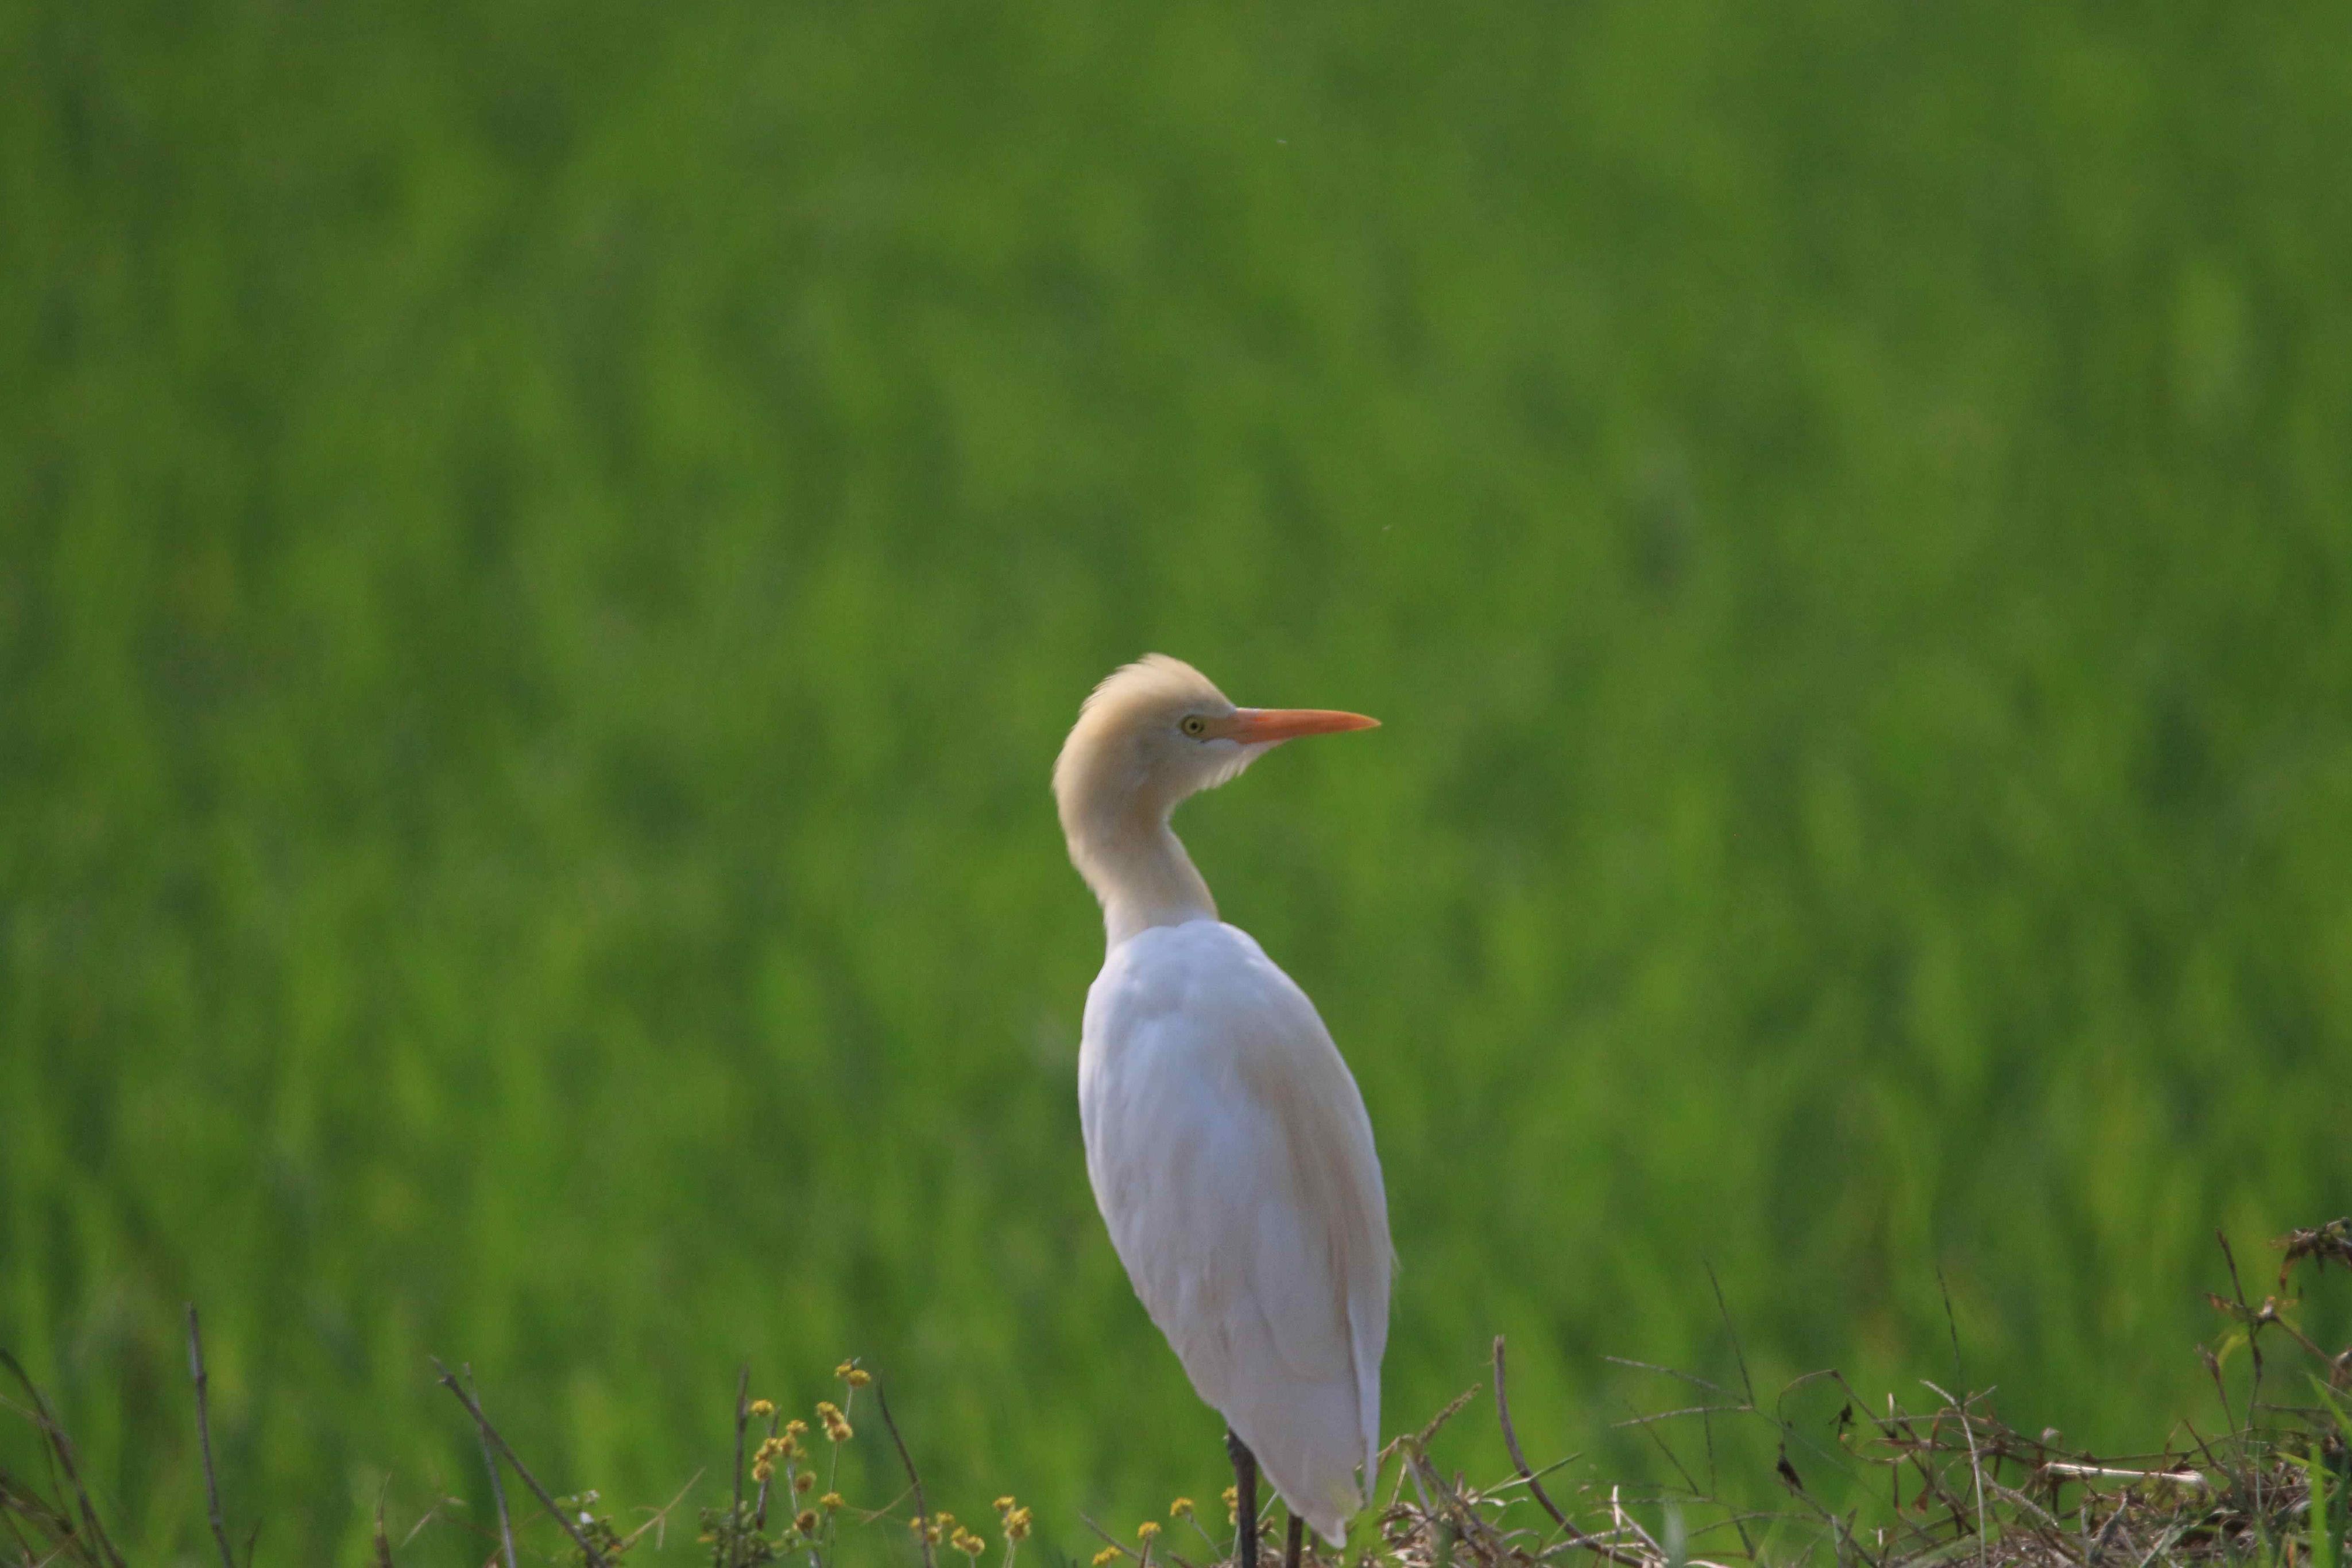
1244,1498
1290,1553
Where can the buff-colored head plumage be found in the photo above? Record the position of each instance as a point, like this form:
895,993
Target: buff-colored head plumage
1130,752
1151,734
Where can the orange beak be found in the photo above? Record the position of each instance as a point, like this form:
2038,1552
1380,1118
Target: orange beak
1265,726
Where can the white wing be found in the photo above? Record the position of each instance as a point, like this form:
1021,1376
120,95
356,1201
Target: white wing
1233,1160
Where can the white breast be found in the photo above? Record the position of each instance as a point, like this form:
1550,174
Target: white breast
1234,1163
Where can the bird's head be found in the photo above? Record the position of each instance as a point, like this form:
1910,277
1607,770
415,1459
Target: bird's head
1157,730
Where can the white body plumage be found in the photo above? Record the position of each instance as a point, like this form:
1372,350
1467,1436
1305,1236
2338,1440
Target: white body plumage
1234,1163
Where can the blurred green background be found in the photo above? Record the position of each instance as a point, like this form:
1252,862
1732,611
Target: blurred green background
549,549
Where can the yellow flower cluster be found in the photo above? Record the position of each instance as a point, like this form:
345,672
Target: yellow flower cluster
852,1373
1233,1505
836,1424
967,1543
761,1408
772,1451
1181,1509
1016,1518
830,1502
1107,1556
1147,1530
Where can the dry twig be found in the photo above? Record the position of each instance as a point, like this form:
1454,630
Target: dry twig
205,1436
587,1550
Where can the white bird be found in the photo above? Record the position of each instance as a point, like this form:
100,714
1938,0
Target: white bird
1226,1141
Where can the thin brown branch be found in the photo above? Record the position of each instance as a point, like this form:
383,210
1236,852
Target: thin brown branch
205,1436
383,1541
587,1550
497,1487
922,1516
2254,1329
1951,1326
60,1449
1511,1441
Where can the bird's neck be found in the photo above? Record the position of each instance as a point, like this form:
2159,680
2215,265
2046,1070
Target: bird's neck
1139,870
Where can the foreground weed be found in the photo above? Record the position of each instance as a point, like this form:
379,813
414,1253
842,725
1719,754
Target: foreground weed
1947,1483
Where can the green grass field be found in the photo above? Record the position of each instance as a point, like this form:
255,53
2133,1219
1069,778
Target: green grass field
546,551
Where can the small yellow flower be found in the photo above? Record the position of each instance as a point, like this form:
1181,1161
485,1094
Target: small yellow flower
830,1502
857,1378
1147,1530
1181,1509
967,1543
836,1425
761,1470
944,1519
1004,1505
762,1409
807,1521
1107,1556
795,1427
1016,1525
1232,1496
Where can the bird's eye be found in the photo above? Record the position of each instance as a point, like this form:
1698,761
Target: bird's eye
1196,724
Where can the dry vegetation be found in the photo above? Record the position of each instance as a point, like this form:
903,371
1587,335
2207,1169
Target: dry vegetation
1948,1483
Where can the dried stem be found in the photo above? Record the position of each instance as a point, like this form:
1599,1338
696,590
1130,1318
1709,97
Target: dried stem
383,1541
922,1516
735,1518
205,1436
60,1448
1511,1442
595,1558
2116,1473
497,1487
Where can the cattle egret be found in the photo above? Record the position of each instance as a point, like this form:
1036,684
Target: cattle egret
1225,1139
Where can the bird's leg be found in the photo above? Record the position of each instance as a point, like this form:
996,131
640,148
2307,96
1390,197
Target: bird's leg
1244,1498
1290,1552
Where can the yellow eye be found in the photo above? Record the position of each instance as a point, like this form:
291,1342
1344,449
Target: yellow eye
1196,724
